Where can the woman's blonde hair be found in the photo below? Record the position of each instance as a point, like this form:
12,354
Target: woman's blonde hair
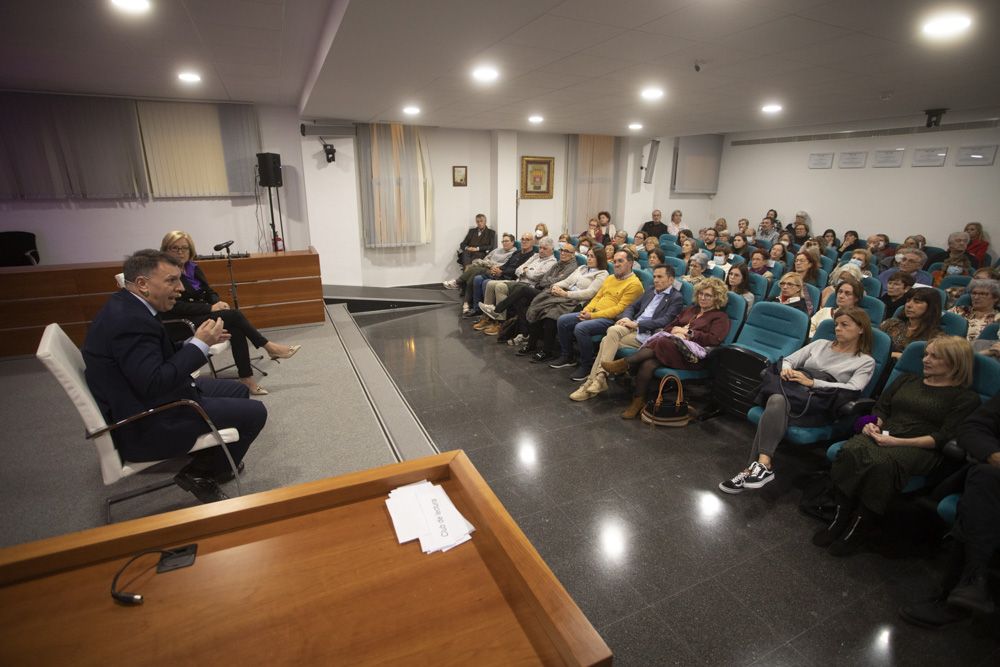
545,228
957,353
175,236
720,293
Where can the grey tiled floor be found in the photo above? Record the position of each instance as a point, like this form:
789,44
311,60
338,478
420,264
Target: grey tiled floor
669,570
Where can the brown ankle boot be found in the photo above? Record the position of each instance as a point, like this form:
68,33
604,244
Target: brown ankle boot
615,367
634,408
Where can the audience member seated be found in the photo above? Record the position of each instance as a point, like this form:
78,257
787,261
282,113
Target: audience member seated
839,274
976,533
585,245
479,241
132,366
738,281
521,293
778,253
910,261
890,260
697,266
594,232
619,239
984,309
915,417
563,297
850,292
651,243
807,265
830,236
842,364
792,292
987,273
741,246
683,344
506,271
657,306
607,227
711,238
689,248
851,242
921,319
785,238
773,214
684,233
878,246
720,225
953,266
529,273
759,264
958,243
639,240
896,292
656,226
199,302
743,227
616,293
766,231
656,258
720,257
541,231
800,229
675,226
478,267
979,242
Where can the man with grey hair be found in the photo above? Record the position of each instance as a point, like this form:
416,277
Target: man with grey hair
766,232
530,273
656,226
958,242
908,260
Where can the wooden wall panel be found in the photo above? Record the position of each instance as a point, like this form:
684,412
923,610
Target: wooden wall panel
273,291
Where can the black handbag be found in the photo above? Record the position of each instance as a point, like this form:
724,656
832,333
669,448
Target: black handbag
802,401
659,412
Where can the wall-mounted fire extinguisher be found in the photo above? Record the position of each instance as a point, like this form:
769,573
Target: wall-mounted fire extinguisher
279,244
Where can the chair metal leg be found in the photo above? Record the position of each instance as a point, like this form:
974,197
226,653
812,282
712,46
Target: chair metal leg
215,373
132,494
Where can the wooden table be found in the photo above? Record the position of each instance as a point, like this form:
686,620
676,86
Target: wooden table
306,575
275,289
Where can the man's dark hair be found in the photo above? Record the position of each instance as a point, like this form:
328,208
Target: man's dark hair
658,252
901,277
144,262
511,237
669,270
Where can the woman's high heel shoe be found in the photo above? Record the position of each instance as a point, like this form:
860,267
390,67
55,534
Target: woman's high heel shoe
292,349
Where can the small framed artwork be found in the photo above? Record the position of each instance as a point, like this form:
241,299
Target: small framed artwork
976,156
459,177
537,177
852,159
888,158
821,160
929,157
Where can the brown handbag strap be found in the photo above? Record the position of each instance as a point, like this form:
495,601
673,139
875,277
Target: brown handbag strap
664,384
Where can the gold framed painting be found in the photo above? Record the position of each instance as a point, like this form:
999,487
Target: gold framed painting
537,177
459,176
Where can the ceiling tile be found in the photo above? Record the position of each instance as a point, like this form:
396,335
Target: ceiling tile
584,65
791,32
625,14
561,34
711,18
638,46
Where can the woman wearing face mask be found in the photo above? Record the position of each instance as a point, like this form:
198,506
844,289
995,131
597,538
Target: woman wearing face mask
791,292
983,310
952,266
855,267
738,281
720,257
785,238
541,230
920,320
849,294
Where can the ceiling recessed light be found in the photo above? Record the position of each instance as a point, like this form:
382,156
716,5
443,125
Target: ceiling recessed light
411,110
536,119
189,77
132,6
976,157
635,126
771,108
651,93
485,74
947,25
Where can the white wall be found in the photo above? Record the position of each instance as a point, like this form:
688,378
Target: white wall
94,231
929,200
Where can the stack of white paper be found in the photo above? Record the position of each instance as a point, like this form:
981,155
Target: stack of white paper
423,511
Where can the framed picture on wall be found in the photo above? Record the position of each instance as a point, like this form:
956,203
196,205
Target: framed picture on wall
929,157
537,177
459,176
976,156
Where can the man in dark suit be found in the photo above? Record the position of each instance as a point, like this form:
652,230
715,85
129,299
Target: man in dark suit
478,242
132,366
655,309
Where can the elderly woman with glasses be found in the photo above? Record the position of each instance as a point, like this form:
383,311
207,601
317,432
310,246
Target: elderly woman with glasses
683,343
984,309
791,292
200,302
697,266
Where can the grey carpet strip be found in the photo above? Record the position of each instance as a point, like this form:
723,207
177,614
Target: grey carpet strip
404,432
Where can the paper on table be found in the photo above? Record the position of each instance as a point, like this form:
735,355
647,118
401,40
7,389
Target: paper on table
424,511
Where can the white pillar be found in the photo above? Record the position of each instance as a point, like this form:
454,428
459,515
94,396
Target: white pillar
504,170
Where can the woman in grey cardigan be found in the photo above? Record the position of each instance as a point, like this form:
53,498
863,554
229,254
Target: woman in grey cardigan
847,358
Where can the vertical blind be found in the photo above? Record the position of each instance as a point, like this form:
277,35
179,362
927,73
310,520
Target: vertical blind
394,179
593,177
75,147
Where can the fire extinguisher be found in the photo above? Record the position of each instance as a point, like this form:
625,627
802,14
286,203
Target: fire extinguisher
279,245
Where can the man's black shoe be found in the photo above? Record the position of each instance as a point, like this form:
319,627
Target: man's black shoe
203,487
524,351
933,614
227,476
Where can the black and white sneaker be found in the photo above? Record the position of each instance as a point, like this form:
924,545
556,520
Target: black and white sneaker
734,485
562,362
758,477
580,374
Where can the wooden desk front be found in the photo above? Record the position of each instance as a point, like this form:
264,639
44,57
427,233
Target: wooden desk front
309,575
274,289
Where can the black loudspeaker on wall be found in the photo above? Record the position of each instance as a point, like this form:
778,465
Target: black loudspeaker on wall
269,167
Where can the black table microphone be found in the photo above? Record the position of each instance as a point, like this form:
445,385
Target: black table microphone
222,246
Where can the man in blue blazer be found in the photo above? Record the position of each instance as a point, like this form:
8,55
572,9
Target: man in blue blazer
132,366
656,308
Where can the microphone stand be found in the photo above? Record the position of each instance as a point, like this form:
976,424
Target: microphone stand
236,306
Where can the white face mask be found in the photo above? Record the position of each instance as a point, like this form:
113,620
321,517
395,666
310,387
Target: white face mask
954,270
539,233
898,258
719,261
583,249
856,262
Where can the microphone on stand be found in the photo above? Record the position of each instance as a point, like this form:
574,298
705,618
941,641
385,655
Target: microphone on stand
222,246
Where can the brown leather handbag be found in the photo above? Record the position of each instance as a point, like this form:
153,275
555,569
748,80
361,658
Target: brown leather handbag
665,413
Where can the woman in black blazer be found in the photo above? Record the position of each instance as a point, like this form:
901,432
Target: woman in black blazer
199,302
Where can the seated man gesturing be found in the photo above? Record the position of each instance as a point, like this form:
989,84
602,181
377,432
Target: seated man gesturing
132,366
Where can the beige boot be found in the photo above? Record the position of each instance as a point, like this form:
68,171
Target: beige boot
615,366
482,323
599,383
634,408
583,392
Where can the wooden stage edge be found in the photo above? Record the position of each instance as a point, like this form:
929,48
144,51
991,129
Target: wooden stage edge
370,600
